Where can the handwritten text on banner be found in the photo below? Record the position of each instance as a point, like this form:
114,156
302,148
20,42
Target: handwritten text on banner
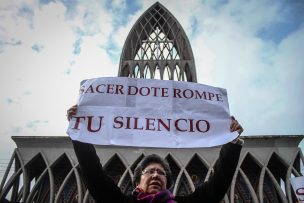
151,113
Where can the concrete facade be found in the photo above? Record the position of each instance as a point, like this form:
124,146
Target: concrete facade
45,169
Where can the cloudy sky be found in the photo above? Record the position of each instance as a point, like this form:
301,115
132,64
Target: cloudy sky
253,48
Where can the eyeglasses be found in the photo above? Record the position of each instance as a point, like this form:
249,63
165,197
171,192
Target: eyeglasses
152,171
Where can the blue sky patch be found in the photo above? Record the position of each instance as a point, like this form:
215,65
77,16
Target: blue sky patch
133,6
37,48
123,13
291,18
26,11
17,130
11,42
71,7
67,71
70,4
72,63
45,2
34,124
113,50
77,46
218,4
90,23
9,100
194,27
277,32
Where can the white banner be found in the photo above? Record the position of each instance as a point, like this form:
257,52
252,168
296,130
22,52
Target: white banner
151,113
298,187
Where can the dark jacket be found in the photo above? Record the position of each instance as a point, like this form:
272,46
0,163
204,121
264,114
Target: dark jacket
104,190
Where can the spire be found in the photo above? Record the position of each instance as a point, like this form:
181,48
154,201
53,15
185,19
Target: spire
157,47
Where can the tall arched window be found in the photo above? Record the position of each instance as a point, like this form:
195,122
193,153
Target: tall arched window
157,38
157,73
136,72
178,74
167,73
147,72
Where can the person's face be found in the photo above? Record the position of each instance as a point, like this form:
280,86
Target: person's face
153,179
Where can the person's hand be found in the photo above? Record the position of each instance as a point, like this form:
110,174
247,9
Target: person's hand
71,112
235,126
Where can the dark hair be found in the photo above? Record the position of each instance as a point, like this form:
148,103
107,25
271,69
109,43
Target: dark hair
153,158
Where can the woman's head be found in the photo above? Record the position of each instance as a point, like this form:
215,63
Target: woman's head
152,174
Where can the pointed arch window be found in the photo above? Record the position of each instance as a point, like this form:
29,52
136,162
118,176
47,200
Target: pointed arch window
197,170
156,37
179,74
242,192
175,168
157,47
157,73
167,73
115,168
183,187
147,72
136,72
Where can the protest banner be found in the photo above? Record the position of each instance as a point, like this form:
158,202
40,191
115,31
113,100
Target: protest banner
298,187
151,113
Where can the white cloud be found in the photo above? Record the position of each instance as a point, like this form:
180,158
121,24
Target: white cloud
120,4
52,92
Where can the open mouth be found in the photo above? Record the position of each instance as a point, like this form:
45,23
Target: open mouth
155,183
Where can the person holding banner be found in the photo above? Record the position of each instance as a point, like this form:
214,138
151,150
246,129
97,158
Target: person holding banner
152,177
